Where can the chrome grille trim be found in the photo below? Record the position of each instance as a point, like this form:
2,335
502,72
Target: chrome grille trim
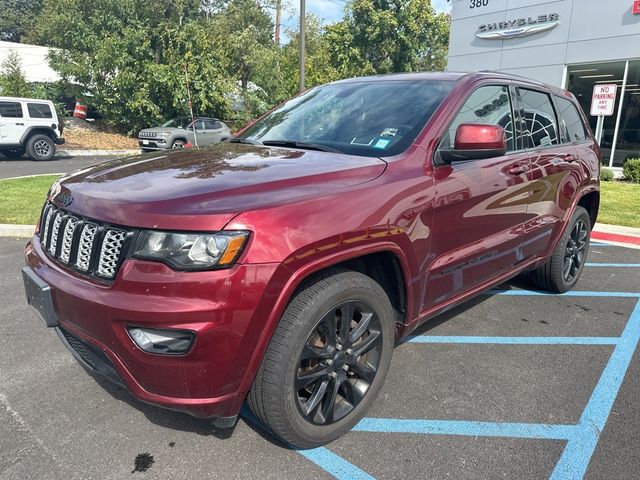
67,239
110,252
82,244
57,220
45,229
83,258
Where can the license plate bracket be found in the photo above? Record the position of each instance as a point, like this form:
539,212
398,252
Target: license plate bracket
38,294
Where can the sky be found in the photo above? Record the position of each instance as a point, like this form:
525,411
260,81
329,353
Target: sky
332,10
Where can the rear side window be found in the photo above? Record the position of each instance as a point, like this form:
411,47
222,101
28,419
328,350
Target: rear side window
540,126
39,110
211,125
489,104
11,109
570,121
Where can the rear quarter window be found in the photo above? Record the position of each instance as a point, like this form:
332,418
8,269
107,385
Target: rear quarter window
39,110
570,120
10,109
541,129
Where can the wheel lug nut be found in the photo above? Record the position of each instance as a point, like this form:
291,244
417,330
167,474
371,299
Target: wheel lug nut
333,374
338,347
348,351
329,362
345,368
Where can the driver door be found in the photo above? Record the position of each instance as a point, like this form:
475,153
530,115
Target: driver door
480,205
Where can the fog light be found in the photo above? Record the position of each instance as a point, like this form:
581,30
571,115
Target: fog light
162,341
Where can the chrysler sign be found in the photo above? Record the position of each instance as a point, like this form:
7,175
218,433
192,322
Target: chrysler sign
519,27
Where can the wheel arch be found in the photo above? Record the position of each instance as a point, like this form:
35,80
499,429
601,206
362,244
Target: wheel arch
371,260
590,201
31,131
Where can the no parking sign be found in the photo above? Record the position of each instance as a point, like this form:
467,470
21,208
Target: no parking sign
603,100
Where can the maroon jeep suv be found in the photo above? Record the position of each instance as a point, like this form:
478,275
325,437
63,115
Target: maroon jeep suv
280,268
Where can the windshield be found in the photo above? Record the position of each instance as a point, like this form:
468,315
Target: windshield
370,118
180,122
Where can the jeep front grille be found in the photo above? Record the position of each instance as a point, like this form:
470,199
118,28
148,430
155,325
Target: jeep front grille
85,245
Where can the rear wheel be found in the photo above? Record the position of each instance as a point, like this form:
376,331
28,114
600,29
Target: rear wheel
561,272
327,360
41,147
13,153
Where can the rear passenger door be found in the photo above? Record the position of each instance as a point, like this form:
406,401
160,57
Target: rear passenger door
554,169
480,205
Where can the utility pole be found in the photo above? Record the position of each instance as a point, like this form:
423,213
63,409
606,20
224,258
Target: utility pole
302,49
278,18
193,119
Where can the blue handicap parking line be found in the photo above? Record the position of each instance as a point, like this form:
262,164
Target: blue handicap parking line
601,244
572,293
514,340
334,464
613,265
466,428
576,456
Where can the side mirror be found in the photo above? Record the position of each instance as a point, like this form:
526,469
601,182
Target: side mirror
476,141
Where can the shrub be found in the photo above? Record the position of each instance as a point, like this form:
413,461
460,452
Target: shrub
606,175
631,170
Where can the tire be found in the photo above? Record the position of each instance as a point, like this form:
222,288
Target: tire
178,144
352,378
562,270
41,147
13,153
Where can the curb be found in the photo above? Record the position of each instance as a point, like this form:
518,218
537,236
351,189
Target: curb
95,153
617,235
16,231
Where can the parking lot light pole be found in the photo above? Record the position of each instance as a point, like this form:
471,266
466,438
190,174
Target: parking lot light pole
302,47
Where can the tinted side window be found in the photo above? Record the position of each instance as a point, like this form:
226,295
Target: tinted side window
39,110
490,104
211,125
570,120
541,129
11,109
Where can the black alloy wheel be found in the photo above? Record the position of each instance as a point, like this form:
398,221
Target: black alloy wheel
339,361
575,251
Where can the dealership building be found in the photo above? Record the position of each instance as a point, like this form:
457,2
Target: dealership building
573,44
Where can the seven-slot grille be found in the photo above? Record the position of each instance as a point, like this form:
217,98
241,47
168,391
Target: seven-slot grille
82,244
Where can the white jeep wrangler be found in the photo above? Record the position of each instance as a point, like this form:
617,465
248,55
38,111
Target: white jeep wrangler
29,125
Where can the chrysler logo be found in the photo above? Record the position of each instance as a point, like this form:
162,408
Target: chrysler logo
63,199
520,27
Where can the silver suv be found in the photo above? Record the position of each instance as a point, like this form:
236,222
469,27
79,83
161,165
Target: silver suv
180,133
29,125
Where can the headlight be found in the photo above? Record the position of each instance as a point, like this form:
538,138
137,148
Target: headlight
191,251
162,134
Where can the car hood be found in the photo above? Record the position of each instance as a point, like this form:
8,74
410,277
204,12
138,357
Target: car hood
204,189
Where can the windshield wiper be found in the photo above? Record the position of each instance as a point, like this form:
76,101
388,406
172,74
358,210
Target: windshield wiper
244,140
302,145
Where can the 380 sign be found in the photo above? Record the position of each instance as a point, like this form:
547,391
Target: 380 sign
478,3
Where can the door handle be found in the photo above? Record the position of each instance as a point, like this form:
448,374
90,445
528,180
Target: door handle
519,169
20,123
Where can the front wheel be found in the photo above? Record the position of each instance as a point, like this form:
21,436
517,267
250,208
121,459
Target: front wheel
327,359
178,144
563,269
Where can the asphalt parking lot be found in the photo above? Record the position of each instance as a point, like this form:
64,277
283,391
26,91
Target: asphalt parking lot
25,166
511,385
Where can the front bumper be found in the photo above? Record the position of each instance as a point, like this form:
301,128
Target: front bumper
153,144
225,309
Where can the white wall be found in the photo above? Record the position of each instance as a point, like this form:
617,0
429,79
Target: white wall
34,61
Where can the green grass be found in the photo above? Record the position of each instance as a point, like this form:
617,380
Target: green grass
21,199
620,204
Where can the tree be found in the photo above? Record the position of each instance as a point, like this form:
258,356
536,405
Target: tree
13,82
129,57
17,18
382,36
